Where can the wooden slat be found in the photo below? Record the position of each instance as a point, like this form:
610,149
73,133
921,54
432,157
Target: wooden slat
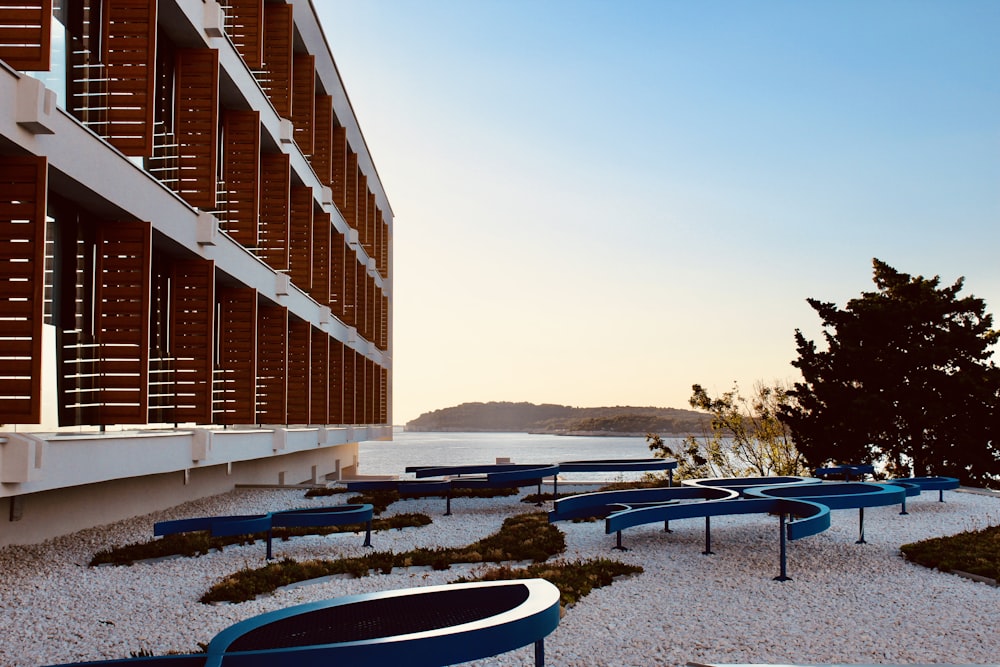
278,44
322,230
300,236
121,321
236,400
338,167
244,25
304,101
196,125
335,414
350,296
299,340
351,184
338,254
359,389
272,365
319,376
241,174
350,382
130,65
25,34
192,338
322,154
23,188
274,209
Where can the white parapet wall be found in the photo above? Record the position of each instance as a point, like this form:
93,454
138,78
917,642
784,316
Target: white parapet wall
49,487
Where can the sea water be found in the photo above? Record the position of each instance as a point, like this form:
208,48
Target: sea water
409,448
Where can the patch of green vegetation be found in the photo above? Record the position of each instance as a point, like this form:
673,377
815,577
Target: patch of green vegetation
976,552
380,499
198,543
573,579
522,537
326,491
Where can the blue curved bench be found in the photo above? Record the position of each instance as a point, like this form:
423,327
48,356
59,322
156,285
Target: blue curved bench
224,526
599,503
845,471
418,627
840,496
741,484
939,484
813,518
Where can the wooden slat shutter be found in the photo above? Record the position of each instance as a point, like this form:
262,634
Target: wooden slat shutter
351,188
304,101
360,397
350,299
384,251
350,381
274,209
300,237
121,321
130,66
299,339
322,229
192,341
319,359
244,25
236,381
278,36
272,365
336,400
322,154
383,404
338,167
25,33
241,174
196,119
383,339
338,255
23,187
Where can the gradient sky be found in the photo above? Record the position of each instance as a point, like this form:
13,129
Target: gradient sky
604,202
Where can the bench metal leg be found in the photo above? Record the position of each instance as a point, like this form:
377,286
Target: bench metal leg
618,542
861,526
708,537
539,503
940,495
447,504
368,534
666,526
555,487
269,535
783,575
902,510
540,653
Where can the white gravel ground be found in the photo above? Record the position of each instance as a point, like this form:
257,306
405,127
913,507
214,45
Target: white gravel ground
846,603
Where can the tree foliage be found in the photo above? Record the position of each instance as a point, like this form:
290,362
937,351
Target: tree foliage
906,380
745,436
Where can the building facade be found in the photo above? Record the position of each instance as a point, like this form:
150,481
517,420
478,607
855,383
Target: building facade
195,259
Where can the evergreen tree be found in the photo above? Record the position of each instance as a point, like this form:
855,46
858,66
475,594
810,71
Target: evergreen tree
905,379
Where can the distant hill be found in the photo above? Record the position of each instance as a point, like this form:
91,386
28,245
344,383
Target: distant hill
561,419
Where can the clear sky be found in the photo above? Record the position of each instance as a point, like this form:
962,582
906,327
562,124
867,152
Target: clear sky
604,202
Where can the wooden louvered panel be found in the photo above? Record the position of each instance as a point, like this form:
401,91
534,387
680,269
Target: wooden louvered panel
338,253
241,174
130,66
300,235
350,381
322,154
322,229
23,187
360,395
350,299
278,44
371,391
319,372
384,252
299,339
351,186
383,339
196,125
304,101
274,210
236,381
379,239
192,317
272,365
364,228
244,25
338,169
361,302
161,374
335,414
25,33
121,321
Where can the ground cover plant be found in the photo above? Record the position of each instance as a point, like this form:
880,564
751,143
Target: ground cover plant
380,499
522,537
974,551
574,579
198,543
